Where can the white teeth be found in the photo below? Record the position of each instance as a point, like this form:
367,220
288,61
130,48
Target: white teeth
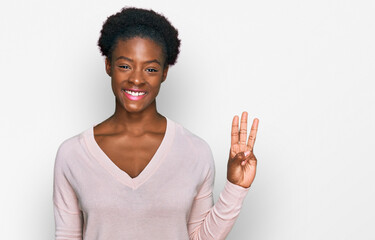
135,93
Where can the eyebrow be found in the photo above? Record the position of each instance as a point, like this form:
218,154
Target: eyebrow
131,60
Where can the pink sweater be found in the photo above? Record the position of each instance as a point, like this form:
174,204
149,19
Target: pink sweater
170,199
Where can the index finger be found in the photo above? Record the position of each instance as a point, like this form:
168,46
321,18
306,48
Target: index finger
253,134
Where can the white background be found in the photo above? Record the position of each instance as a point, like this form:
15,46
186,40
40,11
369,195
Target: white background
304,68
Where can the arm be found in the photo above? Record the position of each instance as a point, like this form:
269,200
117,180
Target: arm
215,222
207,222
68,217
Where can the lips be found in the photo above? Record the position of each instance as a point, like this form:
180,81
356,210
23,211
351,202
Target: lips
134,94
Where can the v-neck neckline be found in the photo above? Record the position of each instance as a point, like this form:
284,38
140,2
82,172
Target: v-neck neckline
121,175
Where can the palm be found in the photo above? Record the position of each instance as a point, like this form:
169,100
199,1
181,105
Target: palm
241,167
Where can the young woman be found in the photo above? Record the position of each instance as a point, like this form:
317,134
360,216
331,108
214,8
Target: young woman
138,174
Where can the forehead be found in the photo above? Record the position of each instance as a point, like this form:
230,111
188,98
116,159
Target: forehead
138,48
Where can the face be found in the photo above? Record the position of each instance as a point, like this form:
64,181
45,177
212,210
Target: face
137,71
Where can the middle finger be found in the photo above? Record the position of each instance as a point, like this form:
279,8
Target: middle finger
243,129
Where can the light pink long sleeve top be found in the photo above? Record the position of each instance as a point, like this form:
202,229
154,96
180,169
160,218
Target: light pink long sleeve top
170,199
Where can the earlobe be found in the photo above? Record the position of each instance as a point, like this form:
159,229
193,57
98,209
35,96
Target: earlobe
165,72
108,67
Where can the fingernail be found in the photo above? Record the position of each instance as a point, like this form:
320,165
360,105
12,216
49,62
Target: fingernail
247,153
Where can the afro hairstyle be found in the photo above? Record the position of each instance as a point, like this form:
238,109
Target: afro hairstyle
133,22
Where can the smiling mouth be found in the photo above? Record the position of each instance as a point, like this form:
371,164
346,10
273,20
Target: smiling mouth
134,93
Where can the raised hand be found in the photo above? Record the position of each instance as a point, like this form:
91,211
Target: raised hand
242,162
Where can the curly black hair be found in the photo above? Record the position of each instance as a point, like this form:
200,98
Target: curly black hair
133,22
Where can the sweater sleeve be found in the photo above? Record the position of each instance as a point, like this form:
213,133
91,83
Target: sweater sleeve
68,217
208,221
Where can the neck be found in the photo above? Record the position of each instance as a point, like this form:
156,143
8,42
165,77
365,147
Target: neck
147,120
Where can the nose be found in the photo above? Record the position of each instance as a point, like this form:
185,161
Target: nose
136,77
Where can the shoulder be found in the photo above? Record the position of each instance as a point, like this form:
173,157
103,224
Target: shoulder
68,145
69,148
193,139
194,144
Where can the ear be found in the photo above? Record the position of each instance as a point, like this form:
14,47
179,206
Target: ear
165,72
108,68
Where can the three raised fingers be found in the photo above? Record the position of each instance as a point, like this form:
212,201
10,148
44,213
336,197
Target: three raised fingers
239,136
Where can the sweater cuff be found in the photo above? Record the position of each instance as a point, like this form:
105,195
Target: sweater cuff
234,193
230,201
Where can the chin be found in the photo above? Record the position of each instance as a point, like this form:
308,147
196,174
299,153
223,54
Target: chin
134,108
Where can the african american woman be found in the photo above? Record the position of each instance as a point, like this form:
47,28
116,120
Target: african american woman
139,174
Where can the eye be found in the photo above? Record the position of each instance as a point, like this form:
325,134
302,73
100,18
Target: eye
151,70
124,66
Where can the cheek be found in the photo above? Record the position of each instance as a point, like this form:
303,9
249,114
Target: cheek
156,85
117,77
116,85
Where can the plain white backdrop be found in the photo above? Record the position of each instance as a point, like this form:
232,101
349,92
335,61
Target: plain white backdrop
304,68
